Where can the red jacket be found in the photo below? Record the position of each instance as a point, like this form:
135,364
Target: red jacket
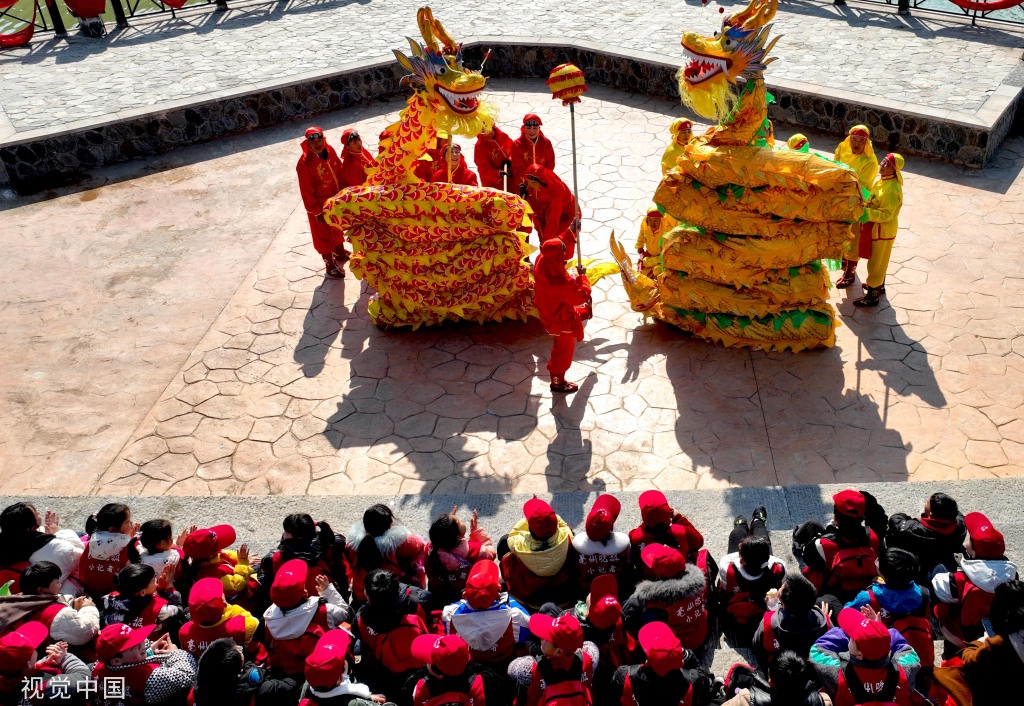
319,179
525,153
554,208
557,294
489,154
532,590
195,638
434,691
354,166
392,650
460,175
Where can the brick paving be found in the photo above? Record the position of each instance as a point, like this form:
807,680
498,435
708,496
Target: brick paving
937,65
240,369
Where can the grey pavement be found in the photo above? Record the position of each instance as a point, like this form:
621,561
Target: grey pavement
936,64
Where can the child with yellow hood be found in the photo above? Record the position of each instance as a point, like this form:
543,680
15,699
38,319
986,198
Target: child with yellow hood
538,566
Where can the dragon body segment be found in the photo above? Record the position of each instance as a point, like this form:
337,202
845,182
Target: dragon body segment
435,251
745,225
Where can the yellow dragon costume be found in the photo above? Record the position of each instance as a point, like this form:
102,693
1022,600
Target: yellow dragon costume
435,251
741,263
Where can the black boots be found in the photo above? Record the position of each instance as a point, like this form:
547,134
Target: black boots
869,299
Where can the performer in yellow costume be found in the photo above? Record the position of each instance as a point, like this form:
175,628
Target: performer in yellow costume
682,132
882,211
856,152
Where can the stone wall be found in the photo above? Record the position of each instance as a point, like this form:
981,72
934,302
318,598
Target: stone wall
35,161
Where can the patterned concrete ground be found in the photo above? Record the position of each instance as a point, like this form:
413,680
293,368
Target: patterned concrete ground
292,390
935,64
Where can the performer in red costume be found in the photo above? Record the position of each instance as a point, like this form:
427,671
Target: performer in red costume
493,155
560,300
531,148
555,212
356,159
460,171
320,178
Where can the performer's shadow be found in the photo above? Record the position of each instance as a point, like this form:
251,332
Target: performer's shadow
749,419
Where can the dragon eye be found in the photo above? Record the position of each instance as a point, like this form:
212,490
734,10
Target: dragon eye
716,34
728,42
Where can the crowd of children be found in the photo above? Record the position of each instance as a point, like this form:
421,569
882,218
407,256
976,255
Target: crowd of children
125,615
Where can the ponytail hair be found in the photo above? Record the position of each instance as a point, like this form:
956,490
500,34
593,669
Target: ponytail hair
444,535
134,578
109,519
376,521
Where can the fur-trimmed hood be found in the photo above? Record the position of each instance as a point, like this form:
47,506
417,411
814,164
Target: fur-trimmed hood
669,591
387,543
616,543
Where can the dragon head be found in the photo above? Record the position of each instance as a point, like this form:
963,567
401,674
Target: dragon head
707,82
449,88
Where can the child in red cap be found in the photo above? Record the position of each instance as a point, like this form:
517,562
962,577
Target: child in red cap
213,618
601,549
839,559
206,551
153,673
296,620
600,615
677,596
494,625
386,633
862,661
661,678
963,598
448,681
564,671
539,549
452,550
19,666
662,525
327,675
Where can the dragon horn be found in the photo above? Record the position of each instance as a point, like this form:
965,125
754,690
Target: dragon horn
450,45
425,19
756,14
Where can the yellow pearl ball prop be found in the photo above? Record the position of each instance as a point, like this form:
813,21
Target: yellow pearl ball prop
567,83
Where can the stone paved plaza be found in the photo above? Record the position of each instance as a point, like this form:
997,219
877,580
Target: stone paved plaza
925,63
168,330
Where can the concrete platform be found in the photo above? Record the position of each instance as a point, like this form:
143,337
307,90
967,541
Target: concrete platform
933,87
188,344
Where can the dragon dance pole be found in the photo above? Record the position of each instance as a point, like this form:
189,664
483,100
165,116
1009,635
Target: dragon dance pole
567,84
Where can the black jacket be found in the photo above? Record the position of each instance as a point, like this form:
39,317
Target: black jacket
792,633
650,689
933,542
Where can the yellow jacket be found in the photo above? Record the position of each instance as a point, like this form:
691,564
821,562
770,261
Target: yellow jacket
883,208
865,163
672,154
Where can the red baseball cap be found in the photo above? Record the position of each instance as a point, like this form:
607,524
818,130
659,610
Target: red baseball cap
601,520
564,632
17,646
654,508
663,649
289,587
326,664
532,116
449,654
483,585
204,543
542,520
871,636
849,503
206,601
987,541
605,609
118,637
663,560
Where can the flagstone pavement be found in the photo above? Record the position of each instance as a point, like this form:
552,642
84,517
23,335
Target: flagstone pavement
168,330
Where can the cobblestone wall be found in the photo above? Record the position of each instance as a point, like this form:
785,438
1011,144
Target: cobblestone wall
34,162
